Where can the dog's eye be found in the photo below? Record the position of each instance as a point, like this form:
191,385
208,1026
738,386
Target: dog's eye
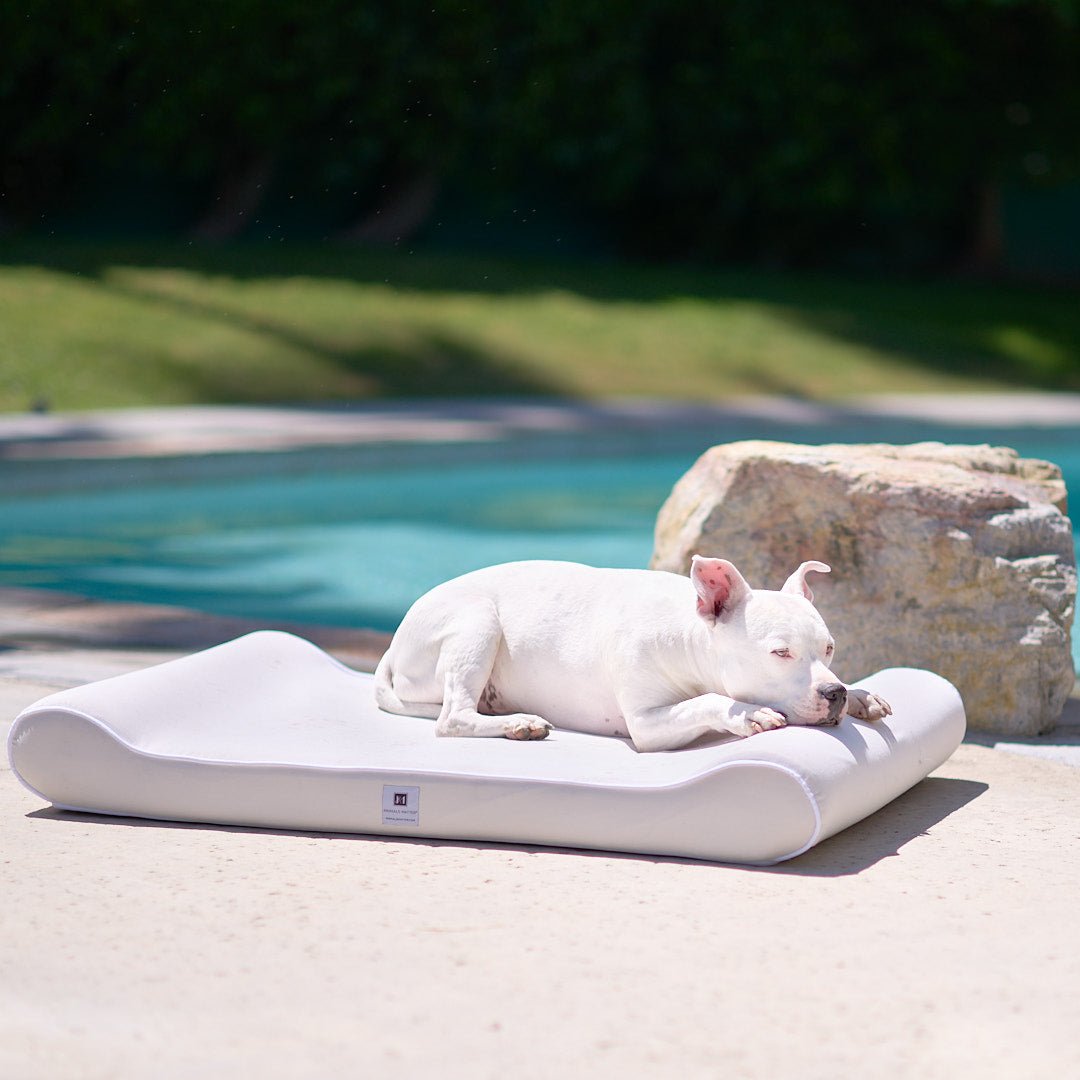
829,650
784,654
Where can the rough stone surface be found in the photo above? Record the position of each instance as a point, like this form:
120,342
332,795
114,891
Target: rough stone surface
954,558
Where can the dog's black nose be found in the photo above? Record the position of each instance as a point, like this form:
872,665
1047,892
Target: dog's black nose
833,692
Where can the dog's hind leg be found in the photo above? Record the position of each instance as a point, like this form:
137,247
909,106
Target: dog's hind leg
465,664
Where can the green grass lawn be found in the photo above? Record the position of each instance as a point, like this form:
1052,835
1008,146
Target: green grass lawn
93,326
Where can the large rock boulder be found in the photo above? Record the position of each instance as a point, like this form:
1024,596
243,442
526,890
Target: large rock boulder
954,558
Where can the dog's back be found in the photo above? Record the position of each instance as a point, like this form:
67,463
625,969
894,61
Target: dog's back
561,629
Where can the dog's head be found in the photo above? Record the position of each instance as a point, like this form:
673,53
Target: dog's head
772,648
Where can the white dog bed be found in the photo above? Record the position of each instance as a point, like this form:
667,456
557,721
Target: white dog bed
269,731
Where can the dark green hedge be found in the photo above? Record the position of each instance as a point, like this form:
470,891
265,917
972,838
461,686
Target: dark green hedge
792,131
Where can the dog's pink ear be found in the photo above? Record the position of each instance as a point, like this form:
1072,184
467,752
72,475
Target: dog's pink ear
720,587
797,582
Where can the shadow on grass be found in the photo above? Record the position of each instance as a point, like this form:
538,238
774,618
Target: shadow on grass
1015,335
430,363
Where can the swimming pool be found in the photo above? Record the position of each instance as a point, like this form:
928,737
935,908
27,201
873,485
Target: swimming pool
350,548
354,543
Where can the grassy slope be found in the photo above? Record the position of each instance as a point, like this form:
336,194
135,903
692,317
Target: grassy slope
90,327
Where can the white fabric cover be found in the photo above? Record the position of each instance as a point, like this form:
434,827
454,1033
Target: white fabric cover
270,731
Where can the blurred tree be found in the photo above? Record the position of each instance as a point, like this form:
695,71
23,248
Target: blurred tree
793,132
58,103
332,97
785,132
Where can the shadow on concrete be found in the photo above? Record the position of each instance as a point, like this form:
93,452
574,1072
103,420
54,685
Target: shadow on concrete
41,618
881,835
856,849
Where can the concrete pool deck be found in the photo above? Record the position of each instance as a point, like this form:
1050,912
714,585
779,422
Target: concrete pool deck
160,432
937,938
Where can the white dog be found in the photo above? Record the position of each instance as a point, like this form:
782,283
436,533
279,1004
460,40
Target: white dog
516,649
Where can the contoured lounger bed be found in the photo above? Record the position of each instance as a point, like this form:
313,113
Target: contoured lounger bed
270,731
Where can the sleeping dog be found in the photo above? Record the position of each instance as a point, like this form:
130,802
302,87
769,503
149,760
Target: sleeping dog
516,649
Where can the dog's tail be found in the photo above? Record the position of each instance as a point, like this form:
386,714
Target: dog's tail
386,697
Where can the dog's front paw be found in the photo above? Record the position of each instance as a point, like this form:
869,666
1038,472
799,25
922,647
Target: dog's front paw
765,720
522,726
863,705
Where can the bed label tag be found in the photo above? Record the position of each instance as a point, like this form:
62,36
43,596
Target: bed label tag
400,805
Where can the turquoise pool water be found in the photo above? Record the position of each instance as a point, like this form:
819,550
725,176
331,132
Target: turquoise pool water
353,545
351,548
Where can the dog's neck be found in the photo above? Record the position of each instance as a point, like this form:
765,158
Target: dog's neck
703,657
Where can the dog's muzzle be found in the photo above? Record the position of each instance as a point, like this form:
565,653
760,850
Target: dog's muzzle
836,695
